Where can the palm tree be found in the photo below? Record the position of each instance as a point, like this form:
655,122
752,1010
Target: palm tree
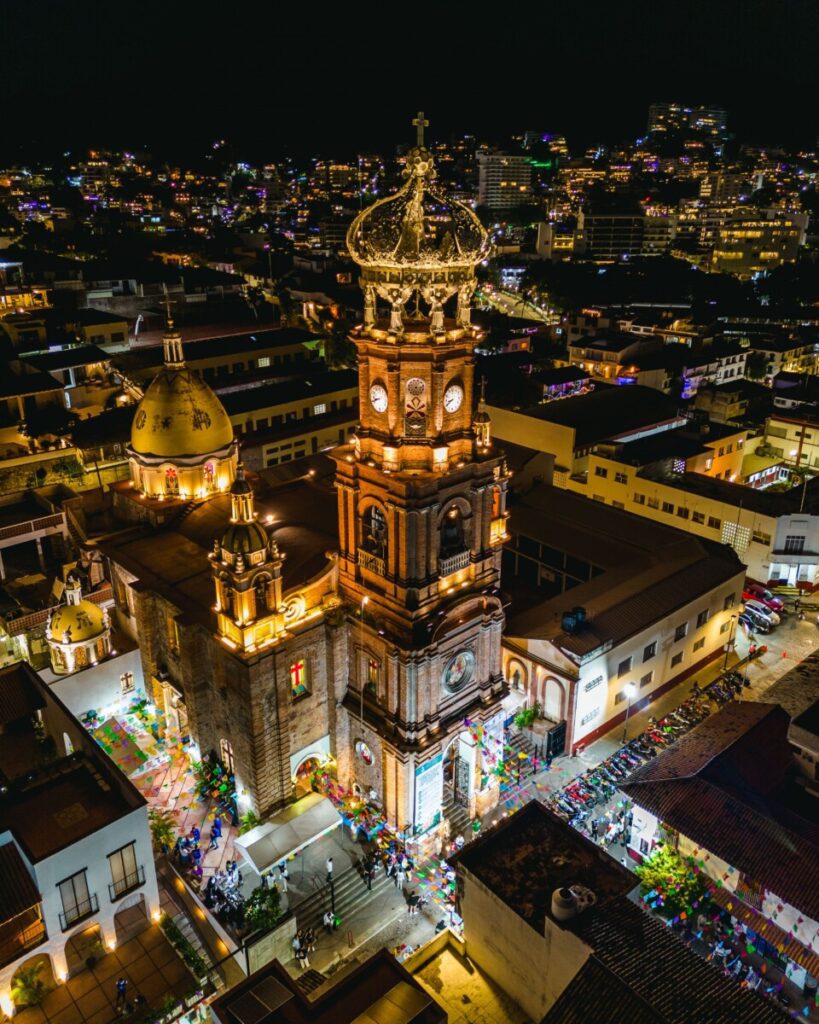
28,988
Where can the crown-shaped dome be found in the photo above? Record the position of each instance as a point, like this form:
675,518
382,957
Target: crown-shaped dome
417,227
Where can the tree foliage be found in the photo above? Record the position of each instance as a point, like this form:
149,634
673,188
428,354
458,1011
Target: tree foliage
263,908
669,885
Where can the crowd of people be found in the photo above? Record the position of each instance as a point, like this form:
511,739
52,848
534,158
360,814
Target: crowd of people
223,895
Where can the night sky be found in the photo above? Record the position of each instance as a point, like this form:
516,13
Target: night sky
290,78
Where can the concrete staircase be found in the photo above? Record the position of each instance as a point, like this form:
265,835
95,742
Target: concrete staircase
351,893
457,816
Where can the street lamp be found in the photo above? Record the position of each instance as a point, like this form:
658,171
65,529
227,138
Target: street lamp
631,689
730,643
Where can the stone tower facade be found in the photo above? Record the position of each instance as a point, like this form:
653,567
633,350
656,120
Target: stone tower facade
421,505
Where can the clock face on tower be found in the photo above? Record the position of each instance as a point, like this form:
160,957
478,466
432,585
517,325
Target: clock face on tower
453,396
459,670
378,397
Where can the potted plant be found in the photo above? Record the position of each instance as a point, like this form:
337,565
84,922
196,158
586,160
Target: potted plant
94,951
163,828
28,988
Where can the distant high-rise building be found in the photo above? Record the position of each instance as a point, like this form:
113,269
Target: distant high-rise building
505,180
676,117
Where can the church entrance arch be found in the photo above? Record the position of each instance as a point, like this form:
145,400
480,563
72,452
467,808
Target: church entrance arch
302,782
456,775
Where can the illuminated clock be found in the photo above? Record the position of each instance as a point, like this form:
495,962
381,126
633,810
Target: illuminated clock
378,397
459,670
453,396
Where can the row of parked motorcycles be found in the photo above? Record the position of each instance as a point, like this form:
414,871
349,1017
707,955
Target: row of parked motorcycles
597,786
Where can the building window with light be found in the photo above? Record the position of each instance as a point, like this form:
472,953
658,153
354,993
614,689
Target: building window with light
372,675
298,679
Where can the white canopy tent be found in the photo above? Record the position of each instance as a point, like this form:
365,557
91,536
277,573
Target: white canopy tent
288,832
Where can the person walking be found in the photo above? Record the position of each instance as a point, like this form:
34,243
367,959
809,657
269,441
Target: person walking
412,904
329,866
400,879
284,874
368,873
594,829
122,988
329,921
215,834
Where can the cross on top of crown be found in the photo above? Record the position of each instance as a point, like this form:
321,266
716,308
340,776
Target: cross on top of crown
420,123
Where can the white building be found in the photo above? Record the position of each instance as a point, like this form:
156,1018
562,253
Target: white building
76,864
504,180
634,608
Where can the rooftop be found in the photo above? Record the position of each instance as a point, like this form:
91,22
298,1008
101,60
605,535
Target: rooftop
378,990
18,891
61,359
311,386
527,856
607,412
726,786
647,569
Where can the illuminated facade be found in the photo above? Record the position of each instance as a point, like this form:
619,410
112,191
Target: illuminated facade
78,632
421,505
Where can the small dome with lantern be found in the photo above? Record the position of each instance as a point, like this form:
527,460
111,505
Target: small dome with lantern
78,632
244,538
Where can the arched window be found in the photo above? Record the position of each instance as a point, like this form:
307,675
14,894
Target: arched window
452,533
374,530
372,674
260,587
226,752
298,678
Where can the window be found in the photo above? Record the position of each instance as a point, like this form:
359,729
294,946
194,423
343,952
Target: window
668,507
682,512
372,675
76,899
725,626
702,618
698,517
617,504
624,668
620,478
600,471
794,544
653,502
698,646
639,499
125,873
677,658
762,538
650,651
680,632
620,697
173,635
320,408
646,679
714,523
728,602
298,679
721,452
263,361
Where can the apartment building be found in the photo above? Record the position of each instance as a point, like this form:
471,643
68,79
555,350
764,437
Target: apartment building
76,863
504,180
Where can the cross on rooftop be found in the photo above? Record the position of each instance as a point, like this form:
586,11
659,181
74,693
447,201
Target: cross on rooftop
420,123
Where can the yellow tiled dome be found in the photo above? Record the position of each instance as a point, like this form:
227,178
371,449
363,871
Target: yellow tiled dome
179,415
85,621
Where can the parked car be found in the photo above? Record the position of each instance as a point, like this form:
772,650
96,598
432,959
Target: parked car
755,591
760,624
764,611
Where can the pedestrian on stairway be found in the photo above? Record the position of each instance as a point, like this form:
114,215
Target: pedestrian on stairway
329,921
329,866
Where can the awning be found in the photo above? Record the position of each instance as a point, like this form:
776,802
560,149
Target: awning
299,825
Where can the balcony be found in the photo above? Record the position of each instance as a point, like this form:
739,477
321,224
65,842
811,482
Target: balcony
81,910
452,563
126,884
367,560
23,933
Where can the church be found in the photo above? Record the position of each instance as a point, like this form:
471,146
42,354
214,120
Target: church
346,615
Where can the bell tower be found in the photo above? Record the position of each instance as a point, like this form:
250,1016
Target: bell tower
421,505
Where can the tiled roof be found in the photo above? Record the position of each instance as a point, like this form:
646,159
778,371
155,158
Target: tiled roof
722,786
17,889
660,971
19,697
597,996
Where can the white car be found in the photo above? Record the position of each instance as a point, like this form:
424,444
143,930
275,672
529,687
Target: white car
764,611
